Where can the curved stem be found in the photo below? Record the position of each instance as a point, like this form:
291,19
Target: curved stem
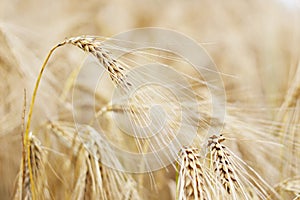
27,130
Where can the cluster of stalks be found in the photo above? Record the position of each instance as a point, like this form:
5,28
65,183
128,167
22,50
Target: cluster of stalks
211,171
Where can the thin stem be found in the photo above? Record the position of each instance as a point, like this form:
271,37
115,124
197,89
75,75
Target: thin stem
27,130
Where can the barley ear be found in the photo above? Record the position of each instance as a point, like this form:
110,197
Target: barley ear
35,187
221,164
91,45
191,182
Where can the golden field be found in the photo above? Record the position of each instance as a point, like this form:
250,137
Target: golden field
255,46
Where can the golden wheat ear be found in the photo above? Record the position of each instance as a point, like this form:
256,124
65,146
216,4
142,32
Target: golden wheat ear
238,180
221,164
191,183
91,45
32,162
93,180
87,44
35,187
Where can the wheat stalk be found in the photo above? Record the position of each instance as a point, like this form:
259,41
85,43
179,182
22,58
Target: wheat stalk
88,44
36,160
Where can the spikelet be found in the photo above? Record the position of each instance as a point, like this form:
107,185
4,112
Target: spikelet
91,45
237,179
191,181
220,162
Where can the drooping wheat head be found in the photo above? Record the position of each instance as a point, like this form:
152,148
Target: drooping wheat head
93,46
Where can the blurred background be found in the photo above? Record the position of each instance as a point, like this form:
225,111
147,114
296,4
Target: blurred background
255,43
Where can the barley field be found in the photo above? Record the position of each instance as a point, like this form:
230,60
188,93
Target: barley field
204,105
